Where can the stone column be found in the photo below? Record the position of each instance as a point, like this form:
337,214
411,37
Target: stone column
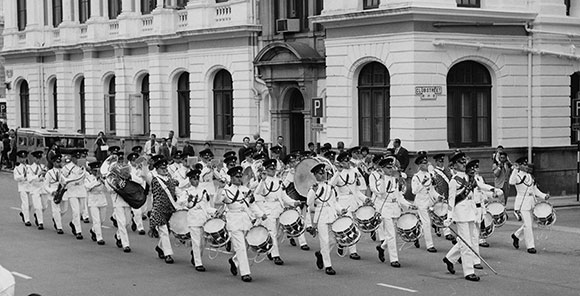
122,92
66,102
94,100
160,114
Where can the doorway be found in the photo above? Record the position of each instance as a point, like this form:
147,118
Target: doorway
296,124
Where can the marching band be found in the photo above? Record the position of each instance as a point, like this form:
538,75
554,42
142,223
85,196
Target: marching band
218,204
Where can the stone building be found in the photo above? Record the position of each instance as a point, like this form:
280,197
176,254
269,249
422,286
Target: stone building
438,74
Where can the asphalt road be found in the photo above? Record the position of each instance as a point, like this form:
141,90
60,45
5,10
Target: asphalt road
50,264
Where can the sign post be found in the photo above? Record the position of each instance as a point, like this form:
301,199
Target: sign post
317,112
576,127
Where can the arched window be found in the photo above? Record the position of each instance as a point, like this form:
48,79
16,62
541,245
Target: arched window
110,121
84,10
54,97
183,105
115,7
468,105
24,105
374,105
56,12
223,106
146,101
82,105
21,14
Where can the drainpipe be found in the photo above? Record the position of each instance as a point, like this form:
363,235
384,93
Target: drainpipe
530,60
41,92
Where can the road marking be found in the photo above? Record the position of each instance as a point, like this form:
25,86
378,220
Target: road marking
398,288
15,208
18,274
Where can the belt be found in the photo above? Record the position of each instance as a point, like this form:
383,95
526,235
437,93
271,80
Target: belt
478,205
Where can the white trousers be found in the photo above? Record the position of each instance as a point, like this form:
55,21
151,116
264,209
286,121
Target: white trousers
390,238
197,243
475,235
164,242
272,225
137,218
76,213
238,239
58,210
123,216
25,198
465,230
39,204
83,201
526,229
326,243
98,214
426,225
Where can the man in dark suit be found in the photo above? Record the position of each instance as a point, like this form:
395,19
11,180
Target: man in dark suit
188,149
401,154
243,149
282,147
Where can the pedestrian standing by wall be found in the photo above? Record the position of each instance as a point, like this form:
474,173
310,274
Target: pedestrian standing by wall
501,171
101,147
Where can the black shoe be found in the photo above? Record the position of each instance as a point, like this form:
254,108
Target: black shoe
432,250
160,253
54,224
459,261
72,228
292,242
200,268
142,232
59,231
340,250
472,277
354,256
86,220
27,224
192,258
79,236
484,245
22,217
269,256
396,264
449,237
381,253
454,241
133,226
374,236
532,250
114,222
127,249
319,262
35,220
437,231
330,271
40,226
516,241
169,259
477,266
118,242
101,242
93,235
450,267
305,248
233,268
144,217
246,278
278,261
417,244
229,246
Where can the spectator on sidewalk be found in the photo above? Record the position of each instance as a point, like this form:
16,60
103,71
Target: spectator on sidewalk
151,147
245,147
401,154
502,172
280,144
188,150
171,140
100,147
164,149
6,150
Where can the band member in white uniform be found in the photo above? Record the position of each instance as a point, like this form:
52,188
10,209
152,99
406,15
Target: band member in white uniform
441,178
462,212
288,182
348,183
35,176
52,180
388,201
20,176
164,205
208,172
178,171
229,162
97,201
322,201
84,208
73,176
239,206
198,202
425,197
112,170
138,172
527,192
272,199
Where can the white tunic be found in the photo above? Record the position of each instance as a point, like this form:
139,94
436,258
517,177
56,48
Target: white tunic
95,191
199,206
271,197
238,208
526,189
322,199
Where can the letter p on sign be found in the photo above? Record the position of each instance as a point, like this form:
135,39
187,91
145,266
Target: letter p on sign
317,108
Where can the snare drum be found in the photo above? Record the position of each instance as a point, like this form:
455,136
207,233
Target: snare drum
487,226
367,218
498,212
178,225
216,234
409,227
439,214
259,239
292,222
345,231
544,214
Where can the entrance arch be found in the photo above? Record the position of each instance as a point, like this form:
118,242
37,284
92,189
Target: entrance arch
296,119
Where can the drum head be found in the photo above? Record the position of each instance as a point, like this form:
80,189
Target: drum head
342,224
365,213
303,178
288,217
214,225
257,235
407,221
542,210
440,209
495,208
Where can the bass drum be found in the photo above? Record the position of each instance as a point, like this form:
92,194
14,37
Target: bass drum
178,225
304,179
